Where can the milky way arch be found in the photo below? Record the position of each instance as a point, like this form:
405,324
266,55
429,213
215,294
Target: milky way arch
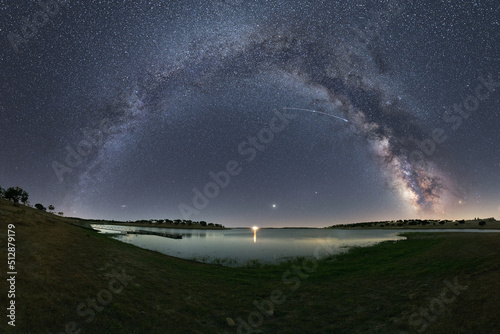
347,69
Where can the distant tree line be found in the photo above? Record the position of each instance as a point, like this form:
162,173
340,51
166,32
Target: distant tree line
410,222
181,222
17,194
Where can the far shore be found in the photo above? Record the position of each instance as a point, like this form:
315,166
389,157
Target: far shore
163,225
489,224
425,224
65,271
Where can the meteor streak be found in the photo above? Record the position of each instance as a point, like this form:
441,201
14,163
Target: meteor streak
318,112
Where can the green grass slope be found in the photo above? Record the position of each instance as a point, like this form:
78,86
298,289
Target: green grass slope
73,280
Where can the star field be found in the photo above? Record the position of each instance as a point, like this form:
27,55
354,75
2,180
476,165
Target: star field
268,113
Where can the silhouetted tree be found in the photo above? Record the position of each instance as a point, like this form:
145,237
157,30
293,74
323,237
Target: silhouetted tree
203,223
40,207
2,192
482,223
60,213
15,194
51,207
24,197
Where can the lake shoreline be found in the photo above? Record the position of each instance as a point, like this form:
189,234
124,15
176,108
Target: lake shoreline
164,225
376,289
478,223
239,247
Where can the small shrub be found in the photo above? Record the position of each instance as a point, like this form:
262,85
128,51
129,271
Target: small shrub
40,207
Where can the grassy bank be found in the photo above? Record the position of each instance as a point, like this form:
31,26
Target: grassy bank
62,268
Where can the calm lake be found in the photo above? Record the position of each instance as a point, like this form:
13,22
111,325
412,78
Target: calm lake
238,247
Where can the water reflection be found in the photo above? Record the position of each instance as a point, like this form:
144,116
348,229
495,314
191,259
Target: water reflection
255,228
237,247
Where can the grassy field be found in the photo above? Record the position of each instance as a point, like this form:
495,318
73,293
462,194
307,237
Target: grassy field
73,280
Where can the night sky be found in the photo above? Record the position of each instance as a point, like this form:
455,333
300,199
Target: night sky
269,113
